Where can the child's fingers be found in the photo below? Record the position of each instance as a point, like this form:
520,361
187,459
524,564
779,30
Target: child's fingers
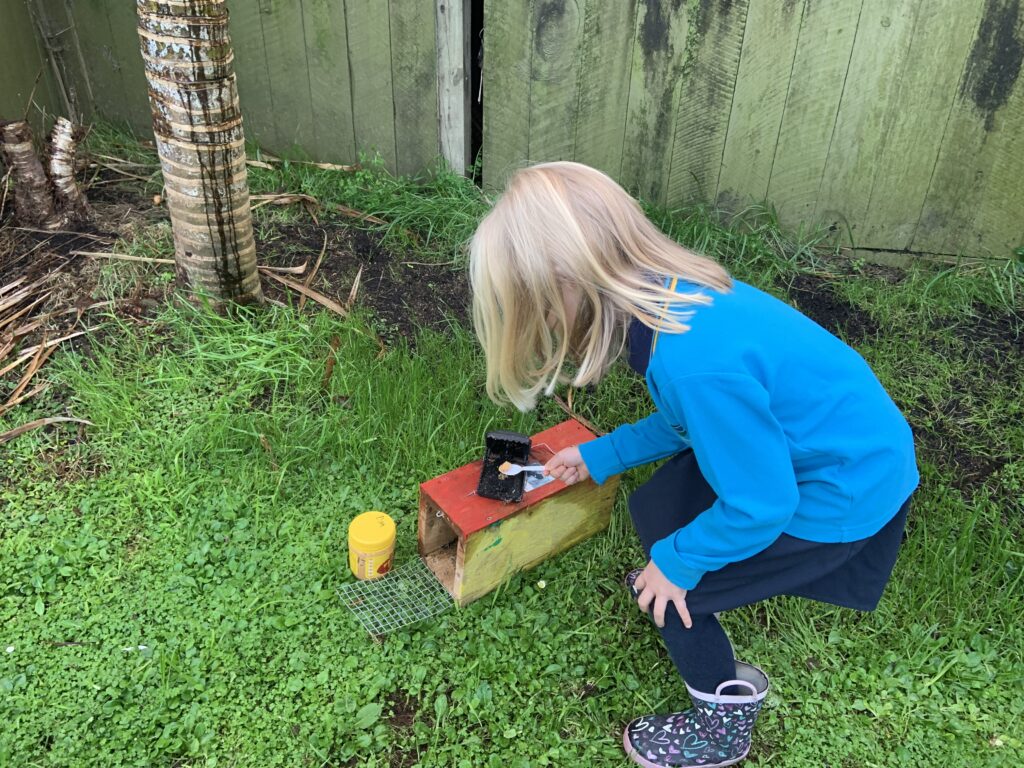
659,610
684,613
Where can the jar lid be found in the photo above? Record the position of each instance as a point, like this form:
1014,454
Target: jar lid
371,530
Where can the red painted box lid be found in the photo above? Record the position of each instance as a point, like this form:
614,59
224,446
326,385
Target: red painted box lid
455,492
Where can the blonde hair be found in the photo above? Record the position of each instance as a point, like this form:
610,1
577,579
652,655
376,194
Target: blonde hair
565,225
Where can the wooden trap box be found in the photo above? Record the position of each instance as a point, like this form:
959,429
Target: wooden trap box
473,544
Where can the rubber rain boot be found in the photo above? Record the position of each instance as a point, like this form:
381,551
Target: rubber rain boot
714,732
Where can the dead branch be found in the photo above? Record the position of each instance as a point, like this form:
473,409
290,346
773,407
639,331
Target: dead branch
316,296
18,431
312,275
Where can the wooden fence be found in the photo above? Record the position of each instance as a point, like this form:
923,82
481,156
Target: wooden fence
331,78
899,123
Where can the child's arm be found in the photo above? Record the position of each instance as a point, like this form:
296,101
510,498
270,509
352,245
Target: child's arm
631,445
744,455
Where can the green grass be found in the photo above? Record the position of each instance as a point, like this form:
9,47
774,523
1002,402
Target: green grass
168,576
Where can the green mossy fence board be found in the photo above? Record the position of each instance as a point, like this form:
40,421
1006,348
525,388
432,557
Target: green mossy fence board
508,42
110,98
986,116
659,53
25,63
554,71
866,113
414,66
369,58
606,52
288,70
330,88
126,58
251,69
759,99
706,101
827,36
903,162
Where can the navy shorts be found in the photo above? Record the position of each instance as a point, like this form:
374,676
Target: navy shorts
852,574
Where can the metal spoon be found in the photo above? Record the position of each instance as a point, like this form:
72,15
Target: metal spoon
511,470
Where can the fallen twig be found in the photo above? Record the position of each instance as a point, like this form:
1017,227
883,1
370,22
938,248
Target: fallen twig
354,291
353,213
33,368
573,415
27,396
121,257
316,296
331,360
10,434
312,275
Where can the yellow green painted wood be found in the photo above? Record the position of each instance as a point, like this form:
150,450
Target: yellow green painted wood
706,100
508,42
659,53
759,99
606,54
414,71
518,543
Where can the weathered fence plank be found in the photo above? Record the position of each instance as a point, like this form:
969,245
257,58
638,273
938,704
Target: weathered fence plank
705,103
759,99
986,116
554,67
127,60
606,52
453,82
24,62
93,29
330,89
251,62
508,41
369,58
658,56
414,67
827,37
288,71
866,113
919,109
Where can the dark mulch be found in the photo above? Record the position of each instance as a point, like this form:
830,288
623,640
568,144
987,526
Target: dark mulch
404,294
816,298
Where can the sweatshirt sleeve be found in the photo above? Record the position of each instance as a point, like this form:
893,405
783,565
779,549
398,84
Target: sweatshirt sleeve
743,453
631,445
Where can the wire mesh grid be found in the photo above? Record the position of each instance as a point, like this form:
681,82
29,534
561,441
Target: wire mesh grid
398,599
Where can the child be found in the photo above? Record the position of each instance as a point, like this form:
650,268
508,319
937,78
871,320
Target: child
790,469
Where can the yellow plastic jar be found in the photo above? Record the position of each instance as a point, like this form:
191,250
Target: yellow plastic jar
371,545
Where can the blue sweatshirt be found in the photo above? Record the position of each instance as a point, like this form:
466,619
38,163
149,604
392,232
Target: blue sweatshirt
789,425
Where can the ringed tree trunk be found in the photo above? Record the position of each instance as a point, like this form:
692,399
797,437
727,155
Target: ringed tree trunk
198,129
33,200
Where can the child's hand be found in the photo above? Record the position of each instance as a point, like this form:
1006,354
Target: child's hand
567,465
652,585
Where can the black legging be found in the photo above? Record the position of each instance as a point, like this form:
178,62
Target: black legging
851,574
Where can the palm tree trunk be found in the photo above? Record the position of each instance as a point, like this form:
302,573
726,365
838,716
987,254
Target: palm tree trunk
33,200
198,127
